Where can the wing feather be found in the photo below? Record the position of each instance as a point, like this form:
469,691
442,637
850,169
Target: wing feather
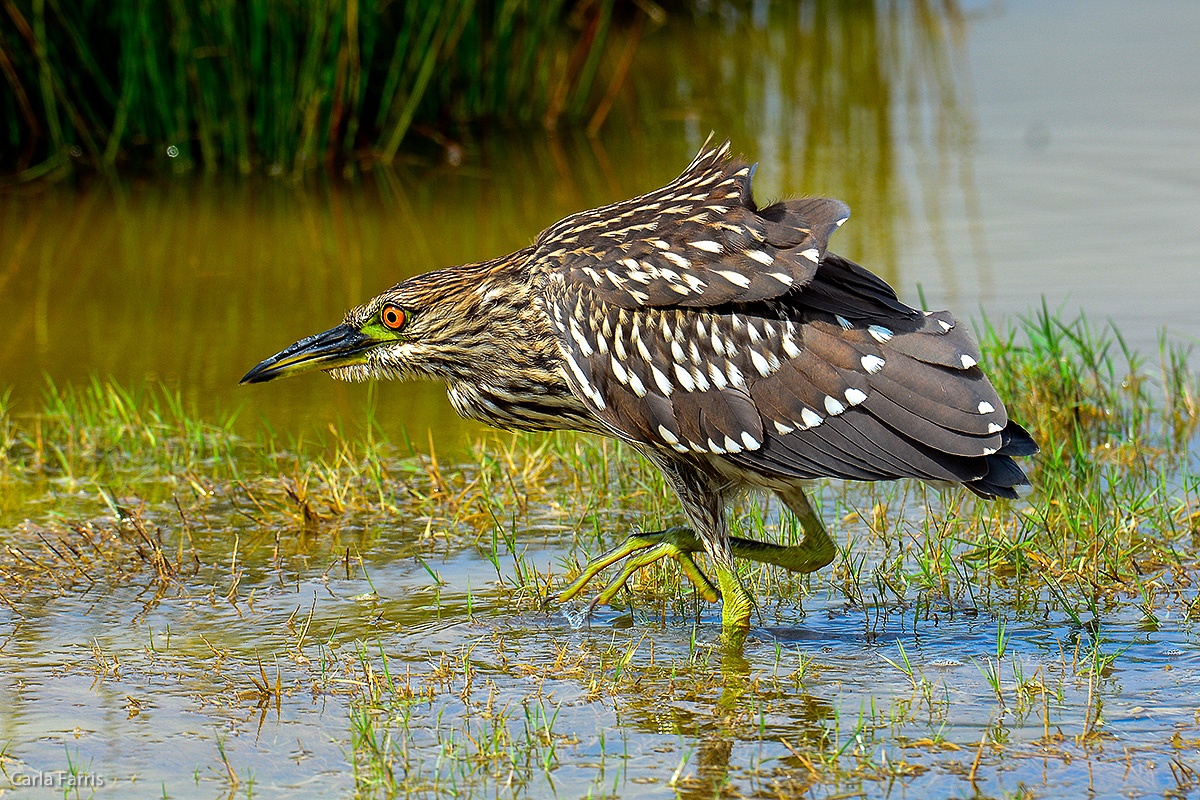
690,319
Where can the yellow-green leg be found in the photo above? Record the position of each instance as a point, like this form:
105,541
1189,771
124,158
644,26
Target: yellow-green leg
737,603
814,551
639,550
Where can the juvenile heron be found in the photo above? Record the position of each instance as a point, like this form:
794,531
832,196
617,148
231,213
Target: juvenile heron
721,340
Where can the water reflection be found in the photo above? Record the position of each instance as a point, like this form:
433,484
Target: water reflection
192,280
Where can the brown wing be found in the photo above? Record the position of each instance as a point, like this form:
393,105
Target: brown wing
699,241
830,375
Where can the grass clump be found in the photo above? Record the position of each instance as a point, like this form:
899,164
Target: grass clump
98,429
286,86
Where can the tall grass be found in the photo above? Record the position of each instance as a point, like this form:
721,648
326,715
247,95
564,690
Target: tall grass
284,86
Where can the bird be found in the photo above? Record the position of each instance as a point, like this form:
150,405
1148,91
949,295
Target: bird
721,340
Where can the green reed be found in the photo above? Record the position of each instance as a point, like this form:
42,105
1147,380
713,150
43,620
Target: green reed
283,86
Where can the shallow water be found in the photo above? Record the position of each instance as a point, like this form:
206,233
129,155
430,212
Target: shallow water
492,696
1036,151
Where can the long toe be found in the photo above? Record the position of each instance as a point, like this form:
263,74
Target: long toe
639,550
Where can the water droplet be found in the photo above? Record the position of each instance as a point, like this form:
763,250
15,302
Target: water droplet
576,616
945,662
172,151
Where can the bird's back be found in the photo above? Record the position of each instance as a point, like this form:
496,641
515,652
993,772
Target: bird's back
696,324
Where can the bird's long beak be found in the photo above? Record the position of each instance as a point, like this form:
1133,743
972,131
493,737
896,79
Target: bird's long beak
336,347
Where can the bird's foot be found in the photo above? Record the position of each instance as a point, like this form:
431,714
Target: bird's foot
639,550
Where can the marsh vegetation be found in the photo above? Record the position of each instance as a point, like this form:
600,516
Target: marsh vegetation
353,602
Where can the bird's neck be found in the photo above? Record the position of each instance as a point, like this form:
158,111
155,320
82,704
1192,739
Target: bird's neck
499,357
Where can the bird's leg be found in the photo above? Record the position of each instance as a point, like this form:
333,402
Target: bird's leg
704,496
814,551
735,613
677,543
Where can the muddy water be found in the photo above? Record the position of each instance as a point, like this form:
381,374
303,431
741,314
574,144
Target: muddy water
992,157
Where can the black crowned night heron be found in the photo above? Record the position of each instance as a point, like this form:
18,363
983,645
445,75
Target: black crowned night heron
720,340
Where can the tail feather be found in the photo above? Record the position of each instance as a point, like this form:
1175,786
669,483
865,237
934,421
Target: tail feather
1004,475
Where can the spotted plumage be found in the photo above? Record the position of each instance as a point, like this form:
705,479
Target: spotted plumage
758,346
722,340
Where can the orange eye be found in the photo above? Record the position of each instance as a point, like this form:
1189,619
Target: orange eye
393,317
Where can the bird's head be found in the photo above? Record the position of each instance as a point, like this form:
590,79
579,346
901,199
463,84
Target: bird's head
427,326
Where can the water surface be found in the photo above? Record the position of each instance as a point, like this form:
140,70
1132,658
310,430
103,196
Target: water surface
993,155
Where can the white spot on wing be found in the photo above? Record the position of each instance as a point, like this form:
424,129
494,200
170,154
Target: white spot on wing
635,383
985,407
641,346
872,363
880,333
762,257
667,436
967,361
735,374
750,442
760,363
810,418
736,278
709,245
833,406
812,254
619,370
855,396
580,339
584,384
784,430
994,428
685,378
664,385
